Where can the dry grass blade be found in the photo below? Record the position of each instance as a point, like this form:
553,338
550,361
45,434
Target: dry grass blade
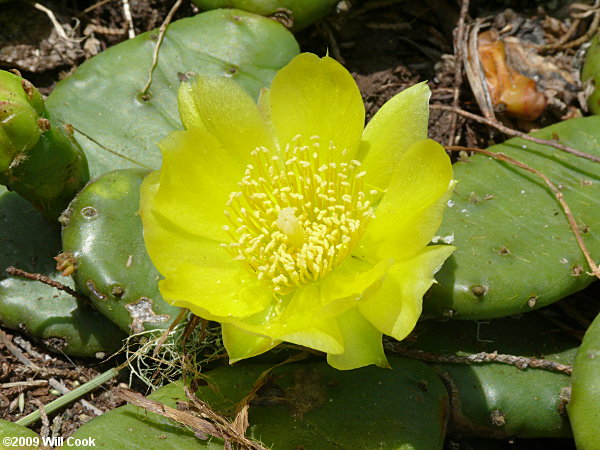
216,426
475,75
161,35
228,429
459,51
515,133
595,271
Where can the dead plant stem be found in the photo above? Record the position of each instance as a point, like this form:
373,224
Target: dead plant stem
15,272
521,362
459,48
161,35
516,133
559,196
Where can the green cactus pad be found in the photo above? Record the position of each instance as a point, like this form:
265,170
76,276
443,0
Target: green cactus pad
136,429
500,400
61,322
515,249
103,231
14,436
315,406
301,12
20,107
102,98
584,408
50,173
308,406
591,71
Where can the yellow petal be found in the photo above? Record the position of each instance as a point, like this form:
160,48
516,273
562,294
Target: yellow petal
241,344
411,210
167,243
315,96
362,343
264,108
219,106
399,123
349,284
321,335
395,308
297,324
216,292
196,179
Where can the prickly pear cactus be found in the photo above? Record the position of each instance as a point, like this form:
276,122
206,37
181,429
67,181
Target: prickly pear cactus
137,429
57,320
51,172
102,240
21,106
591,73
515,249
299,13
301,406
118,126
500,400
584,408
39,159
13,435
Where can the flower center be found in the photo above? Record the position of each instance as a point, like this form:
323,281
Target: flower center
296,218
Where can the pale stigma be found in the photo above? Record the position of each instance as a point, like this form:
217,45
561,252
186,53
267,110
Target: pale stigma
288,223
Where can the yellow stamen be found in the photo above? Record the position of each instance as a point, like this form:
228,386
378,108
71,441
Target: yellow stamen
295,218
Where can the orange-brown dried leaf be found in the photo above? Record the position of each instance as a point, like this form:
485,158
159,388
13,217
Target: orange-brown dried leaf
509,89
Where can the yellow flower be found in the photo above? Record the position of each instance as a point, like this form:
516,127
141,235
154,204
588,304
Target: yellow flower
285,221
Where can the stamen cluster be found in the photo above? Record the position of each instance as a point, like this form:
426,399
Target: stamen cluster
296,217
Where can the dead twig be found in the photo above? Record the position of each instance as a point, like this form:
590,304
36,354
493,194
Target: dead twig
15,350
559,196
521,362
459,42
93,7
591,31
57,26
474,71
217,426
13,271
510,132
47,372
588,34
31,383
128,19
161,35
563,42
